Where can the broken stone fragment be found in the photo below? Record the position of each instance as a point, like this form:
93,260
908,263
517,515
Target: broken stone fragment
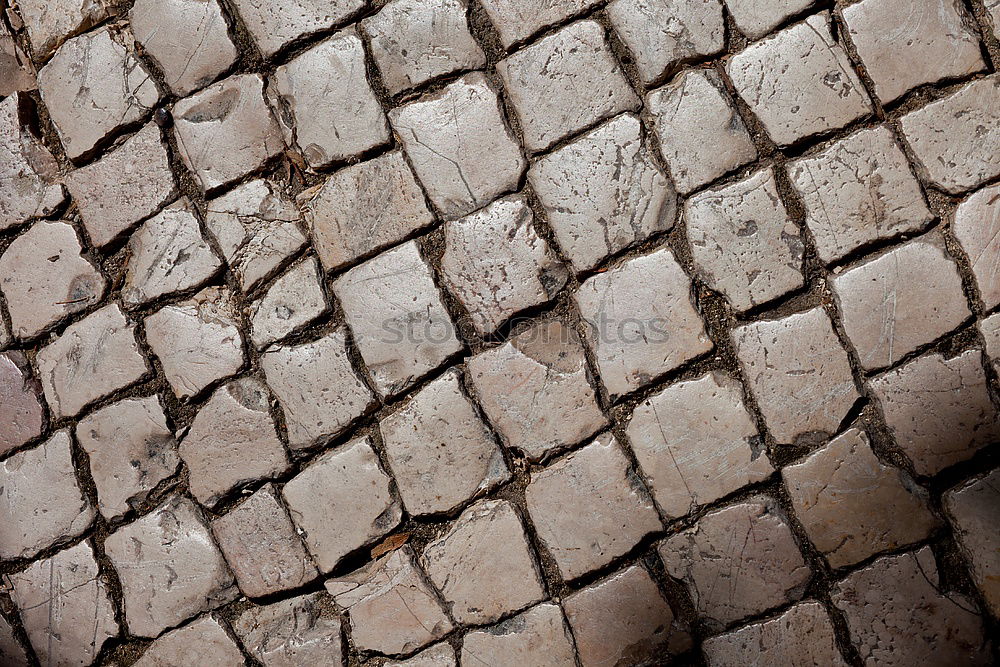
27,169
972,510
977,228
275,23
439,655
49,22
21,408
517,20
756,18
300,631
203,641
538,636
17,72
294,300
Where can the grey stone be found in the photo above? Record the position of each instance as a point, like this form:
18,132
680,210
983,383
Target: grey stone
11,652
17,73
300,631
276,23
203,641
972,510
28,171
49,22
21,411
537,636
977,227
756,18
291,302
439,655
517,20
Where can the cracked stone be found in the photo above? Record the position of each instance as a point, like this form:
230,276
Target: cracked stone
445,136
232,441
440,452
798,372
292,301
11,652
203,641
756,18
276,23
750,546
895,303
300,631
977,228
324,103
397,317
696,443
496,264
347,483
799,82
392,609
21,411
694,111
131,451
40,499
169,567
603,192
972,510
28,171
439,655
897,614
856,191
50,22
990,328
850,503
537,636
517,20
17,73
640,320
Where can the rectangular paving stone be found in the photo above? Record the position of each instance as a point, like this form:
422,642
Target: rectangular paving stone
275,23
299,631
202,641
977,227
537,636
50,22
21,405
26,162
292,301
756,18
972,508
516,20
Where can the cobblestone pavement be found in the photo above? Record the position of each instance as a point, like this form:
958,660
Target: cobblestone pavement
499,332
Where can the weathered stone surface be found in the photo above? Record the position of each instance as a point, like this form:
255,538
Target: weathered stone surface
603,192
496,264
798,372
799,82
803,635
65,607
203,642
990,328
483,565
342,502
977,228
750,547
756,18
232,441
275,23
94,85
11,652
131,451
897,614
439,450
589,507
300,631
261,545
694,111
972,511
21,412
907,43
445,136
954,138
392,610
45,278
439,655
188,39
226,131
169,567
92,358
695,442
640,320
49,22
517,20
316,386
993,15
397,317
898,301
858,190
414,41
27,168
535,637
324,103
291,302
938,410
852,505
17,73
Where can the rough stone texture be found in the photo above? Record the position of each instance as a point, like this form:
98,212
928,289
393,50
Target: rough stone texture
299,631
803,635
11,652
534,390
169,567
131,451
990,328
439,655
348,484
691,112
993,16
202,642
856,191
226,131
65,607
17,73
954,138
445,136
414,41
750,548
798,372
21,412
496,264
275,23
640,320
937,409
232,441
590,508
899,301
852,505
517,20
799,82
977,228
483,565
397,317
291,302
127,185
537,636
261,546
603,192
897,614
756,18
188,39
93,86
972,511
45,278
27,168
316,386
50,22
623,620
907,43
439,450
695,442
392,610
324,103
92,358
